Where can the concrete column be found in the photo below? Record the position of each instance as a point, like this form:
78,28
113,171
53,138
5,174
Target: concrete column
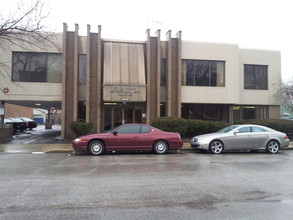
148,73
169,75
158,113
88,73
64,55
99,81
75,74
179,73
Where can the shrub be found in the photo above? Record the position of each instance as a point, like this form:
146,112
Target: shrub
81,128
188,128
171,124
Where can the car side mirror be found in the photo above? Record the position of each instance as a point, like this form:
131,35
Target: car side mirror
236,132
115,132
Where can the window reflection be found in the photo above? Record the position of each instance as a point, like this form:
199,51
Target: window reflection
203,73
36,67
255,77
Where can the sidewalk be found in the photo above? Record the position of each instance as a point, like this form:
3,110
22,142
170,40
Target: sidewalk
54,148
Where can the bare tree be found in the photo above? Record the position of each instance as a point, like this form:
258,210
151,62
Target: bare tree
286,93
24,28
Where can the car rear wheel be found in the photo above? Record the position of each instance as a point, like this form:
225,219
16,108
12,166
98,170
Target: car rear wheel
160,147
96,148
273,147
216,147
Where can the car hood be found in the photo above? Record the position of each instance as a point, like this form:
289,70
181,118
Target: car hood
89,136
210,135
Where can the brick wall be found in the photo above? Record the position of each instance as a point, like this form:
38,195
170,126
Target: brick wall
17,111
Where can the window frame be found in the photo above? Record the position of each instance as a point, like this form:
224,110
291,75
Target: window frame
32,59
207,73
252,77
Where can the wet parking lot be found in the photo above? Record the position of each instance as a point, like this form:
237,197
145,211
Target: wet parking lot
178,185
38,135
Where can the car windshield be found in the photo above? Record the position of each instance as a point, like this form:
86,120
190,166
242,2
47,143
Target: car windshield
227,129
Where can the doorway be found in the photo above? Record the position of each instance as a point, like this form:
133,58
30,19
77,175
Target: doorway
116,114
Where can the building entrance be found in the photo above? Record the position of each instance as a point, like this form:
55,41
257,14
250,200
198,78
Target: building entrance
116,114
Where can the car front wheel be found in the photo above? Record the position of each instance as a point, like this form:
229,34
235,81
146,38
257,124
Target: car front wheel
96,148
273,147
160,147
216,147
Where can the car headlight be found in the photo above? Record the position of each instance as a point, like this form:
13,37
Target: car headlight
194,139
77,140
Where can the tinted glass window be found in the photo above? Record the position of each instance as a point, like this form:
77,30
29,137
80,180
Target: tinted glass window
129,129
203,73
36,67
255,77
257,129
82,69
145,129
244,129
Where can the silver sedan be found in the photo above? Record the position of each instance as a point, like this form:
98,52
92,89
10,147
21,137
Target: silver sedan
241,137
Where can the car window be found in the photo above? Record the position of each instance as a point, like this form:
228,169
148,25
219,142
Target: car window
227,129
145,129
258,129
128,129
244,129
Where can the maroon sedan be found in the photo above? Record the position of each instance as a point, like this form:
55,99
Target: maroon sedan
129,137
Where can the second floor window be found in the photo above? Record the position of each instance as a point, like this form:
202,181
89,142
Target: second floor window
255,77
82,69
203,73
36,67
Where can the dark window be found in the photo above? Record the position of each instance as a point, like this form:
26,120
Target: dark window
145,129
248,112
255,77
163,109
82,69
36,67
129,129
203,73
163,72
81,111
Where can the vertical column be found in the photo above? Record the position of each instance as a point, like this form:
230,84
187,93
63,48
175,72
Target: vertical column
64,53
179,73
88,73
169,75
158,112
75,74
148,72
99,80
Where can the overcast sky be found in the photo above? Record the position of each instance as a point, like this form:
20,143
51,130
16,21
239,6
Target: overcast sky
259,24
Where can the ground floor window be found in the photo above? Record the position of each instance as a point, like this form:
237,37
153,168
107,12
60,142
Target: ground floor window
249,112
81,111
211,112
117,113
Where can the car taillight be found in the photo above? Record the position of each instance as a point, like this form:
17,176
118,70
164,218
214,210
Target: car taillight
286,137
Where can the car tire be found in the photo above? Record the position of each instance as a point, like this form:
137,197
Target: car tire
216,147
96,147
160,147
273,147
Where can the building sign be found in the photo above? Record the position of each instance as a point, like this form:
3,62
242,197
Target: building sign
5,90
124,93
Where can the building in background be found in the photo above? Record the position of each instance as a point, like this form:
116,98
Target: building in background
112,82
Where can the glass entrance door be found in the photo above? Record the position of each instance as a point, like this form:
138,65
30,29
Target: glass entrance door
116,114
